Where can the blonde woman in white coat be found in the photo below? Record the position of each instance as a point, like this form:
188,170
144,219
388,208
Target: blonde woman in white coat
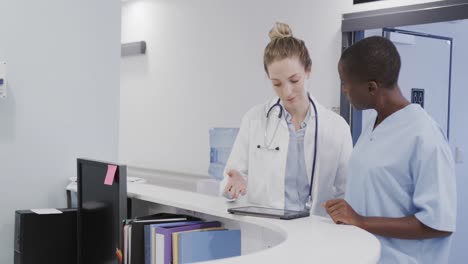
272,160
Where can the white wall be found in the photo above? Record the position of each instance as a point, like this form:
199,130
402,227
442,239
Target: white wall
63,72
203,68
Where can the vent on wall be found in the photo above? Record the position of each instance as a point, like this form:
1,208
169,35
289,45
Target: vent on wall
133,48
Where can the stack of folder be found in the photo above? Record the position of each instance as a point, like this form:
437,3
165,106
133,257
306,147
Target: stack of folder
133,234
178,239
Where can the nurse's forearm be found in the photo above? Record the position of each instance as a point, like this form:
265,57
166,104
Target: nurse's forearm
405,228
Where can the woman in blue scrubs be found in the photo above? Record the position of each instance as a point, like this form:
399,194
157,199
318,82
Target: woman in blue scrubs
401,179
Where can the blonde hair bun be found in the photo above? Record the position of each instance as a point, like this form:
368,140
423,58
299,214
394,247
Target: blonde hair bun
279,31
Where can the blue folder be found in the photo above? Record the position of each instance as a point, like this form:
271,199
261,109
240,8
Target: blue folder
148,243
208,245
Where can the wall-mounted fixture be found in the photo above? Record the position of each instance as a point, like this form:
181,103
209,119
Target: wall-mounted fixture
133,48
3,91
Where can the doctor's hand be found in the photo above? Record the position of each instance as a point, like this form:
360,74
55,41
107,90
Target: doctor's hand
236,184
342,213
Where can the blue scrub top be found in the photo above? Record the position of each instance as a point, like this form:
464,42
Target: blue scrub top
405,167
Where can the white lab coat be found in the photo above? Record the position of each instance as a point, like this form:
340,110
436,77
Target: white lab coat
264,170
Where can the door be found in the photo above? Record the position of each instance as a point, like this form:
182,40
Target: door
425,75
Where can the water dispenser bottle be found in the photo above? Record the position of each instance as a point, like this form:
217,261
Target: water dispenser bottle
221,142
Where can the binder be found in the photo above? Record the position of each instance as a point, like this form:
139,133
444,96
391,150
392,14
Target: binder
163,241
135,251
150,252
207,245
175,241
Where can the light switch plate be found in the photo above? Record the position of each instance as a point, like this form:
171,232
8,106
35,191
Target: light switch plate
459,155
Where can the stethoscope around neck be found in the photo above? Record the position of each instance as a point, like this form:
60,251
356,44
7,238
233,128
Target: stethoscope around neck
267,145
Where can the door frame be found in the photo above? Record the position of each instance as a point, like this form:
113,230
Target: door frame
425,35
354,24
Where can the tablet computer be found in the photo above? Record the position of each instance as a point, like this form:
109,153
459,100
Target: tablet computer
268,212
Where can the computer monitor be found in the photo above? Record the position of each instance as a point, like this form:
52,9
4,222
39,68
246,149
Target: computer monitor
101,209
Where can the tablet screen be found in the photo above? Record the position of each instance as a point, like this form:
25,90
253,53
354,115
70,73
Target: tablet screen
256,210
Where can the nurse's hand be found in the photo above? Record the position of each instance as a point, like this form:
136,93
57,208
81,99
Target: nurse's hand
342,213
236,184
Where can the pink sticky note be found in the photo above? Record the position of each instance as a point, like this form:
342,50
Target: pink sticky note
110,174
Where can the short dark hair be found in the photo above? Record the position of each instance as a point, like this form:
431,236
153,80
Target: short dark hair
373,58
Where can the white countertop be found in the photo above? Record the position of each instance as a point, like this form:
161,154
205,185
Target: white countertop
312,239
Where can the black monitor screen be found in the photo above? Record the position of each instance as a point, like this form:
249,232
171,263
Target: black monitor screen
101,209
